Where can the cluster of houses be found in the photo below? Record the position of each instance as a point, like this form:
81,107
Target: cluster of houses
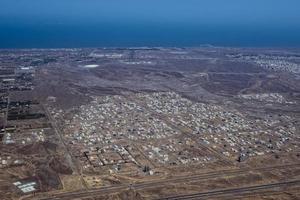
226,130
272,62
170,130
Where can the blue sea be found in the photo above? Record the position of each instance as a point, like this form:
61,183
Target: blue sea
25,35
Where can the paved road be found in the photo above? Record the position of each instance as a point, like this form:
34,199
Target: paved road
237,191
162,183
60,137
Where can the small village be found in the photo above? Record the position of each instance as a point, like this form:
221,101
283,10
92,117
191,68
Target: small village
169,130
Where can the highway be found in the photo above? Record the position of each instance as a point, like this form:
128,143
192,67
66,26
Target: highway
239,191
179,179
